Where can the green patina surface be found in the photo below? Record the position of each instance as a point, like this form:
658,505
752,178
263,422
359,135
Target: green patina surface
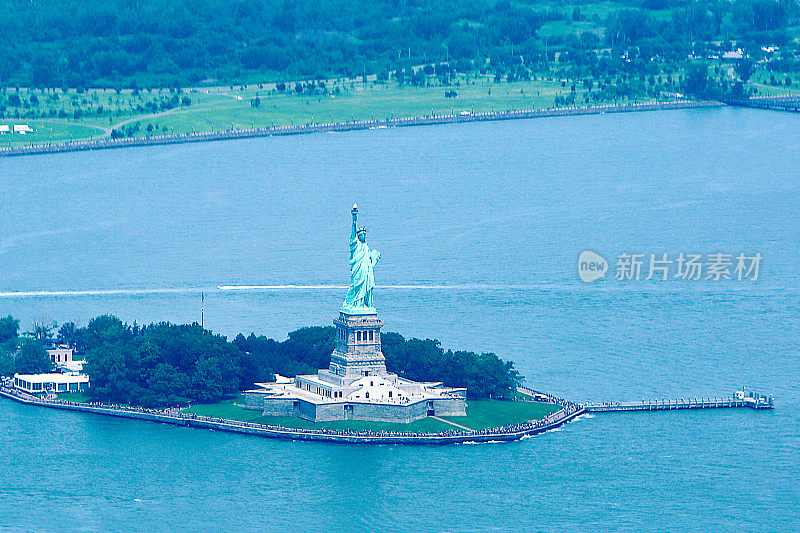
481,414
362,278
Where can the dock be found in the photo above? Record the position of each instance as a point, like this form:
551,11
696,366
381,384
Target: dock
789,103
739,399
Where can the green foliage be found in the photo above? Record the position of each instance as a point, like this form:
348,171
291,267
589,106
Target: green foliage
165,364
159,365
9,328
304,352
308,349
72,336
484,375
169,43
7,352
744,69
32,358
42,332
697,79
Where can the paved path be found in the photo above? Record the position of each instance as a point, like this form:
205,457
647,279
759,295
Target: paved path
106,143
451,423
453,436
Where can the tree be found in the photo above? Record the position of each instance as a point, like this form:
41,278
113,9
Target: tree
43,332
484,375
628,26
744,69
70,335
32,358
311,345
697,79
106,329
9,328
6,362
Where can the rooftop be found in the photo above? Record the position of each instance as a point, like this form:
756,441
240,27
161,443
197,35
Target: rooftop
52,378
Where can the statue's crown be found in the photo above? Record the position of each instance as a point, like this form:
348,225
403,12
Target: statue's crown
361,230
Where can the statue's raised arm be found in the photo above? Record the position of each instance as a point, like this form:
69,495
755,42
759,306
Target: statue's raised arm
362,278
354,212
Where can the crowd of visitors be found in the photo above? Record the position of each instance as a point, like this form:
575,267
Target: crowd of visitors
177,416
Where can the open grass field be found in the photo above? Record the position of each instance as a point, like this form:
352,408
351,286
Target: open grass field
481,414
226,108
78,397
95,113
358,102
49,131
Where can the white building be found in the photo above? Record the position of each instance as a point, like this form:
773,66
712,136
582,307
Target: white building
356,386
4,128
22,129
60,354
36,383
734,54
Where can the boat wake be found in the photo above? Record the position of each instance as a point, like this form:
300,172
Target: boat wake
221,289
97,292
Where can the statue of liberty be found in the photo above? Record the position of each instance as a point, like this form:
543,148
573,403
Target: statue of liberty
362,279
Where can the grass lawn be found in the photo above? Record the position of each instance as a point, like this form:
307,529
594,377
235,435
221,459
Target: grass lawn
223,108
47,131
356,102
79,397
226,409
481,414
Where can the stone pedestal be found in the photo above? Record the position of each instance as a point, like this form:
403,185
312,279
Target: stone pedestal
358,346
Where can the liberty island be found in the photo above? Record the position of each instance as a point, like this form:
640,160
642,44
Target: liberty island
356,385
355,389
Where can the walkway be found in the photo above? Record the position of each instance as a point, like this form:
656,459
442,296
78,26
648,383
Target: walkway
107,143
502,434
739,399
451,423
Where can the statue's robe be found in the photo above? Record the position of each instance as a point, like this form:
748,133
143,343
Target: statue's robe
362,278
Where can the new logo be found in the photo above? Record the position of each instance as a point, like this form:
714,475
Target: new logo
591,266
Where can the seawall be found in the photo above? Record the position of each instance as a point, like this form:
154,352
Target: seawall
505,434
108,143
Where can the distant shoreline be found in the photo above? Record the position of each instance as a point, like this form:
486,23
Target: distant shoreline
106,144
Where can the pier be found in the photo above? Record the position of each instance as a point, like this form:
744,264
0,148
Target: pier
775,103
751,400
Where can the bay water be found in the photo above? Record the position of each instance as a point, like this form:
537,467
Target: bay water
480,227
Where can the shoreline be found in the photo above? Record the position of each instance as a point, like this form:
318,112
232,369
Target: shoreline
516,432
489,116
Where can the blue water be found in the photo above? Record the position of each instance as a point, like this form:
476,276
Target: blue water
489,218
